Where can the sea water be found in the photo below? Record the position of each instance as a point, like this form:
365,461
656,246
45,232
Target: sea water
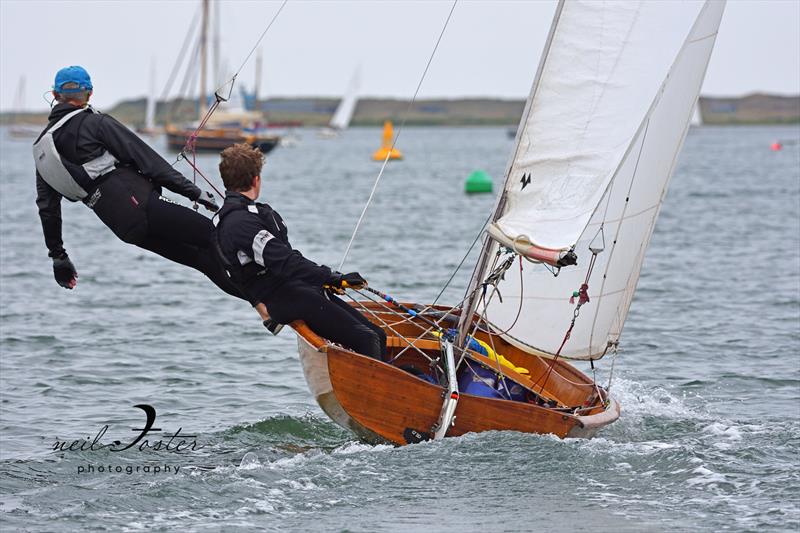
708,376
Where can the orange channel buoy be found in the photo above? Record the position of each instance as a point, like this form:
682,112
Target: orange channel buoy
386,145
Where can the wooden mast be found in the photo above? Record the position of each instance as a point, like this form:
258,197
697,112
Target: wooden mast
257,84
483,260
203,58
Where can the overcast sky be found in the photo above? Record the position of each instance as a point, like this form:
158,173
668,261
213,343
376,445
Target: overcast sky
489,49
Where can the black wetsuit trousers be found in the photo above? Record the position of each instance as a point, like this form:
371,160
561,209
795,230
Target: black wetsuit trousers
133,209
327,316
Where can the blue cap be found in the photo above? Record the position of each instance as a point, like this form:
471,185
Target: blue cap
73,74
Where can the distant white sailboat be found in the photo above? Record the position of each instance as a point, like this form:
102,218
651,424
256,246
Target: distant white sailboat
150,110
341,118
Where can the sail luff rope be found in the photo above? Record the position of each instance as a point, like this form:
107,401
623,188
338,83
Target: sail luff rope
399,131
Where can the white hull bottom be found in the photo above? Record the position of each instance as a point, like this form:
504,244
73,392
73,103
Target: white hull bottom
315,369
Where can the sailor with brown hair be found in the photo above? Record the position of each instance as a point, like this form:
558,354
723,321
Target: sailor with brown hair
86,155
253,244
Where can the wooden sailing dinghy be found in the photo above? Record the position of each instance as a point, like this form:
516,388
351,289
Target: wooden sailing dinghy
598,142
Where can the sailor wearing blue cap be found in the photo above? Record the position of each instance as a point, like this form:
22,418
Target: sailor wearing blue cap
89,156
72,79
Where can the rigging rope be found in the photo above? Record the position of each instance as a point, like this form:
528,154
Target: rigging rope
461,263
582,295
399,131
271,22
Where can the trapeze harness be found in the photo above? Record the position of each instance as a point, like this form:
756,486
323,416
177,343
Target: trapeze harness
70,180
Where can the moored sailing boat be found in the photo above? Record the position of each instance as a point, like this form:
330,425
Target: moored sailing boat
224,129
598,142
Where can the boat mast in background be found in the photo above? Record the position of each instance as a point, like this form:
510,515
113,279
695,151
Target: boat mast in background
257,82
149,127
203,60
150,114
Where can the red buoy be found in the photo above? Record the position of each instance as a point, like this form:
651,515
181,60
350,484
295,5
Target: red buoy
776,146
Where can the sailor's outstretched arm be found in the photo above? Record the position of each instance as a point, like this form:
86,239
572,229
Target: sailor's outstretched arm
48,200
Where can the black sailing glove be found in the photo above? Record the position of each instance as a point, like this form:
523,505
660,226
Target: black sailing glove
207,200
352,280
64,271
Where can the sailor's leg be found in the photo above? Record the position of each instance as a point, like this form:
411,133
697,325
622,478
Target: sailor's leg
173,222
364,320
184,236
198,258
119,201
296,301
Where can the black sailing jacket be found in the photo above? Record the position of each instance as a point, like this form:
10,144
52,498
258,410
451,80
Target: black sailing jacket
254,243
86,137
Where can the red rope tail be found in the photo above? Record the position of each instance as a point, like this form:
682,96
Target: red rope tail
558,353
583,298
191,144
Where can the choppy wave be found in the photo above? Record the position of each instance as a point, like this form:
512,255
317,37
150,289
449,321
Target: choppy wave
708,437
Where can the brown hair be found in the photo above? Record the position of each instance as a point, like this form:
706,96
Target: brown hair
240,164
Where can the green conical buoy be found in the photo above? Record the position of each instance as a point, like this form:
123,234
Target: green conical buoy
478,181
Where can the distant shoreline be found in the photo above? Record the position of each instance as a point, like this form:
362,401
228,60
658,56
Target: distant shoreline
316,111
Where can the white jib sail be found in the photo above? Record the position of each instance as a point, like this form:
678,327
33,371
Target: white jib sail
599,145
344,113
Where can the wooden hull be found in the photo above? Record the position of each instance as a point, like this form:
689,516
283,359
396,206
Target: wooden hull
382,403
216,140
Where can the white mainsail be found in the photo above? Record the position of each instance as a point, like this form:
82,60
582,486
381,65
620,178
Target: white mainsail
344,112
605,123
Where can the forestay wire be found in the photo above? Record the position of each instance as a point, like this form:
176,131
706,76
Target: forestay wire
399,131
